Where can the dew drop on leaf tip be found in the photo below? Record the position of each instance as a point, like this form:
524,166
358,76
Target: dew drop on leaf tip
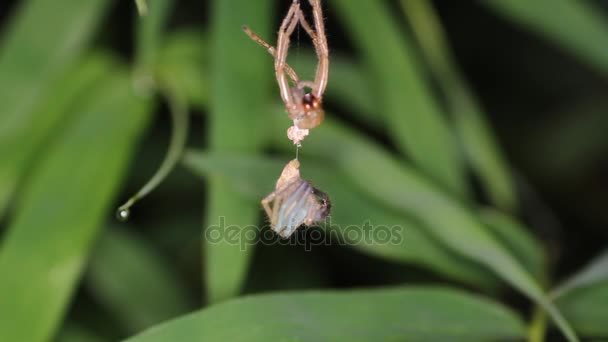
122,214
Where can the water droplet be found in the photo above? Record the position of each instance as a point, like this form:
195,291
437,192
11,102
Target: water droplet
122,214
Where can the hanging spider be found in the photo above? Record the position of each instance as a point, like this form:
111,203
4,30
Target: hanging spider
303,107
294,202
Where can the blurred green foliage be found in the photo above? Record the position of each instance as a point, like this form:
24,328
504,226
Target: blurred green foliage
408,142
353,316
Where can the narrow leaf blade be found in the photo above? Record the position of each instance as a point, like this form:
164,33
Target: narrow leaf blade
586,308
412,115
62,209
237,122
133,282
595,272
574,25
473,131
59,30
397,314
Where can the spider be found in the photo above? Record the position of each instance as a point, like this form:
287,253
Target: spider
303,107
294,202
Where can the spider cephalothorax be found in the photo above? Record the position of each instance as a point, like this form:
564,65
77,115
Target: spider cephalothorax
307,112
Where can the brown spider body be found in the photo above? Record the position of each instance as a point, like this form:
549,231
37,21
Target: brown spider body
304,108
296,201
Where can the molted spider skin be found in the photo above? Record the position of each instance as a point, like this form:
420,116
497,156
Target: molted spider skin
295,202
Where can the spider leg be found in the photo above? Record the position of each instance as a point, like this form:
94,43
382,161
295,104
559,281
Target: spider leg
256,38
321,49
287,27
313,36
272,51
309,30
266,204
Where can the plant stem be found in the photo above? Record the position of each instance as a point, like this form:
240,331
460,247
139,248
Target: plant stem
538,326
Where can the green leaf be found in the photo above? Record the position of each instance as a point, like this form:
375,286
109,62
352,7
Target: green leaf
149,41
517,239
142,7
586,309
481,148
254,177
595,272
412,115
584,298
399,186
58,30
134,282
62,208
475,135
72,332
184,60
394,314
241,90
48,115
577,26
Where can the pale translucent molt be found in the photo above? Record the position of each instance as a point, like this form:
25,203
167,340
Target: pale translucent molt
295,202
